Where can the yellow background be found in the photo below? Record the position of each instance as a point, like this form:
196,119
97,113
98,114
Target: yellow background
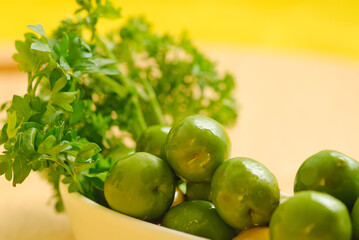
322,26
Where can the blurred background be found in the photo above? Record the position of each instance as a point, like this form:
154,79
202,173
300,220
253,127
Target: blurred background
296,65
329,27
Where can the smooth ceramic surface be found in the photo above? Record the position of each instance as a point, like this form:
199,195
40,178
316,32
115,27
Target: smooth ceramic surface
91,221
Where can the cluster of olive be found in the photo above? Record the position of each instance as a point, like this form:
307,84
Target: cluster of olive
224,197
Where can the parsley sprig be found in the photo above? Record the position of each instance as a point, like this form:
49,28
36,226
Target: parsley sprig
90,96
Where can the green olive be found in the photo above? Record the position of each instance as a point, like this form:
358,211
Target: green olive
310,215
198,218
195,147
331,172
152,140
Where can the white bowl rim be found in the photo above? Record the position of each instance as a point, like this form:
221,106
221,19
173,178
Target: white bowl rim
81,198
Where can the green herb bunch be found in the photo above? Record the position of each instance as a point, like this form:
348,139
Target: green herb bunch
90,96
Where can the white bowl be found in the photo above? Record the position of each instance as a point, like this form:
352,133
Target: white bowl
91,221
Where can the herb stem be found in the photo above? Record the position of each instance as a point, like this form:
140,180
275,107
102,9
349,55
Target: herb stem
29,82
153,101
122,91
142,122
104,46
130,85
74,177
36,85
115,86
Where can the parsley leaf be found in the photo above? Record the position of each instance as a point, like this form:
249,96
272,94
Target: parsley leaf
90,97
